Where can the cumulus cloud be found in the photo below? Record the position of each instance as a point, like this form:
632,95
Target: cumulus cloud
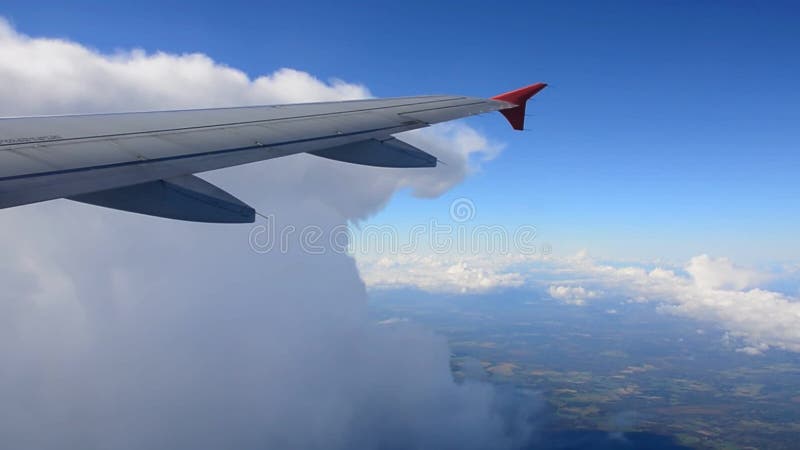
715,290
54,76
706,288
721,273
437,273
573,295
454,144
753,350
121,331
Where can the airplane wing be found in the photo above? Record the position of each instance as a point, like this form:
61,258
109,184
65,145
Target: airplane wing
145,162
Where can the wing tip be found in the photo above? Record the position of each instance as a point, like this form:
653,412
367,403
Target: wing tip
518,97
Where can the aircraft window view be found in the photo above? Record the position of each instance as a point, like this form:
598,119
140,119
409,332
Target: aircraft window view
399,225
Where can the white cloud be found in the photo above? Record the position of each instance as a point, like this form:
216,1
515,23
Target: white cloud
721,273
573,295
754,350
457,146
713,289
437,273
52,76
392,321
121,331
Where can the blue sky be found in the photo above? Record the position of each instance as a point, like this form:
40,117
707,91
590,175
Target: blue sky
669,129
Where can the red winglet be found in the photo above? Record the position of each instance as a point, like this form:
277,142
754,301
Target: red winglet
519,97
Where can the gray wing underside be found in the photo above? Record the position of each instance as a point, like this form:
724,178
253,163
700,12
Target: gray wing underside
126,160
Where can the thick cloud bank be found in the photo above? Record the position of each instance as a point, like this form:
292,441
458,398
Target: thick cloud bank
120,331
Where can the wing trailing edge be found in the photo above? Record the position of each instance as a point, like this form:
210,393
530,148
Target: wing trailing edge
184,198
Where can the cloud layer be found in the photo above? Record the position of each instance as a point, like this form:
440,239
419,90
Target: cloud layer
705,288
714,290
120,331
437,273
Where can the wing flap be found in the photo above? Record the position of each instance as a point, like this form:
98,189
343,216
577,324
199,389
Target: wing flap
184,198
379,153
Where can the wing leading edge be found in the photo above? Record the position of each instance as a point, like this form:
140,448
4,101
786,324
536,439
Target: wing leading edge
144,162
